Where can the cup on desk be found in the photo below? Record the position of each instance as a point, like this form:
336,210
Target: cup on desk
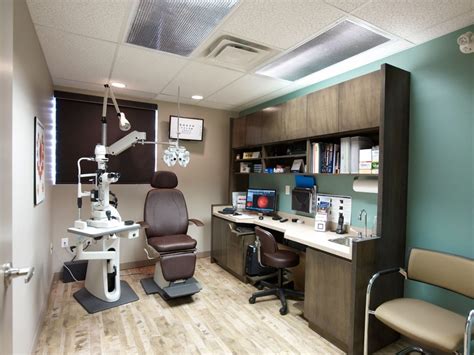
260,216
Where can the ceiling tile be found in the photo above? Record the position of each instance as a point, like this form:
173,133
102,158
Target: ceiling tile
454,24
201,79
144,69
247,88
281,24
406,18
100,19
216,105
172,98
346,5
75,57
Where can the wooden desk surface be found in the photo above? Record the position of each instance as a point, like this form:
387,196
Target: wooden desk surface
301,233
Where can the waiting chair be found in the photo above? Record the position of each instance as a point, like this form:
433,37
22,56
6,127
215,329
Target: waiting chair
270,255
166,226
423,322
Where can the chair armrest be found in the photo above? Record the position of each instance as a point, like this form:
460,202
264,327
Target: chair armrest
143,224
196,222
468,332
382,273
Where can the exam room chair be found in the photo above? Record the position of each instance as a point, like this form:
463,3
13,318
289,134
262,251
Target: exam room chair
166,227
270,255
427,324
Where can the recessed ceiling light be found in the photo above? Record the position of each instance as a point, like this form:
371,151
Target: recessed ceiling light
197,97
118,85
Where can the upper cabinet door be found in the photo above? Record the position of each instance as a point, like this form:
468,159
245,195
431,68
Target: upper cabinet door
253,130
271,124
238,132
293,116
323,111
359,102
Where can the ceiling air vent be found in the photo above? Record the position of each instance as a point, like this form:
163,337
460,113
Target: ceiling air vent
237,53
341,42
176,26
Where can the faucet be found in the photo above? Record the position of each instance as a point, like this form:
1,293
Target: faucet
363,211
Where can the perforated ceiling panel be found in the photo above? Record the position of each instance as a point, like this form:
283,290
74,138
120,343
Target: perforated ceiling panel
176,26
343,41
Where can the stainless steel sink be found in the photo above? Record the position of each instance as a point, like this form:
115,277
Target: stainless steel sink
346,241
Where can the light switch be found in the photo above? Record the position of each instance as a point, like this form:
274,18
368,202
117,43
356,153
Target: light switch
287,189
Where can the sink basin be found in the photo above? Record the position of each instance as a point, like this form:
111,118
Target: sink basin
346,241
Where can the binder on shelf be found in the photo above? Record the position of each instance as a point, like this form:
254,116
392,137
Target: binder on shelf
345,155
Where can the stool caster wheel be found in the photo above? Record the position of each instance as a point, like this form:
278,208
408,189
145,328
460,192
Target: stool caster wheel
260,286
284,310
252,300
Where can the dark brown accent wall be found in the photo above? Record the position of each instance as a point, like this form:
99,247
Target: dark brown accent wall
78,130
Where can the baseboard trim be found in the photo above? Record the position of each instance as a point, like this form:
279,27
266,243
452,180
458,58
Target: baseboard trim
57,276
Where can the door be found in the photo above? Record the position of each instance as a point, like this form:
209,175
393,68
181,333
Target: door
6,74
293,116
271,124
238,132
253,129
359,102
323,112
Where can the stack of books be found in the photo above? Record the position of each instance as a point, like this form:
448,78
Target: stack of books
325,158
355,155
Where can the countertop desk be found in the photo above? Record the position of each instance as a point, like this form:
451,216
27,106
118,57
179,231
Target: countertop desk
335,276
302,233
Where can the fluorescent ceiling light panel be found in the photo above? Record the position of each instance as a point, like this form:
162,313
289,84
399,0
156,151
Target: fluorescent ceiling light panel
176,26
197,97
118,85
342,41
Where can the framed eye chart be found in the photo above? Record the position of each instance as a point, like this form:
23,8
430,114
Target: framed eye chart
190,129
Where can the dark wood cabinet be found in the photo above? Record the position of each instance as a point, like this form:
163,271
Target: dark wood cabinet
253,129
359,102
328,296
271,124
238,132
293,116
323,112
229,247
219,241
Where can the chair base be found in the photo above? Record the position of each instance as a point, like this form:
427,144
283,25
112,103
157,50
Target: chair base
278,290
413,350
174,290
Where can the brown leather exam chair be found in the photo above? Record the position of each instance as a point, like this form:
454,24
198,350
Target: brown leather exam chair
423,322
270,255
166,226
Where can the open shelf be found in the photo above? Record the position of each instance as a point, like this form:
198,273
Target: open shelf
287,156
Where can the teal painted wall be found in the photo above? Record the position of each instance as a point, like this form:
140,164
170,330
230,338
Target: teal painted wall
337,185
441,153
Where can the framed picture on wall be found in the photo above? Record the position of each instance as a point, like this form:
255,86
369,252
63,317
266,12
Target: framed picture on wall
40,163
190,129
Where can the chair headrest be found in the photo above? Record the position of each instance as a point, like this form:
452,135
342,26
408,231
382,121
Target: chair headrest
164,180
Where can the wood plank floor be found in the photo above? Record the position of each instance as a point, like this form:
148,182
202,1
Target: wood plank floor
218,320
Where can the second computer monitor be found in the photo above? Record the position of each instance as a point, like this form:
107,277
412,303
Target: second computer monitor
261,200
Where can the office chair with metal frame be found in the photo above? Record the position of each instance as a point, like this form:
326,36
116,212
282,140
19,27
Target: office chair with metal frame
423,322
270,255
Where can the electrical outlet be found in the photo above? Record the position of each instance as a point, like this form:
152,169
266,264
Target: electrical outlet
287,189
64,242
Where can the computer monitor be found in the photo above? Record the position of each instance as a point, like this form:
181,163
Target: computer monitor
261,200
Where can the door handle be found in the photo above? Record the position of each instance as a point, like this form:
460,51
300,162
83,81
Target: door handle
10,272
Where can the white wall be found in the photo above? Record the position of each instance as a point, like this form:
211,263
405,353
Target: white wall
31,226
203,182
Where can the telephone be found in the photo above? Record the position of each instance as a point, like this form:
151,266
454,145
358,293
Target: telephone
228,210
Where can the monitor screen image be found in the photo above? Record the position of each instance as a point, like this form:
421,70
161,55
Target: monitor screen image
261,200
